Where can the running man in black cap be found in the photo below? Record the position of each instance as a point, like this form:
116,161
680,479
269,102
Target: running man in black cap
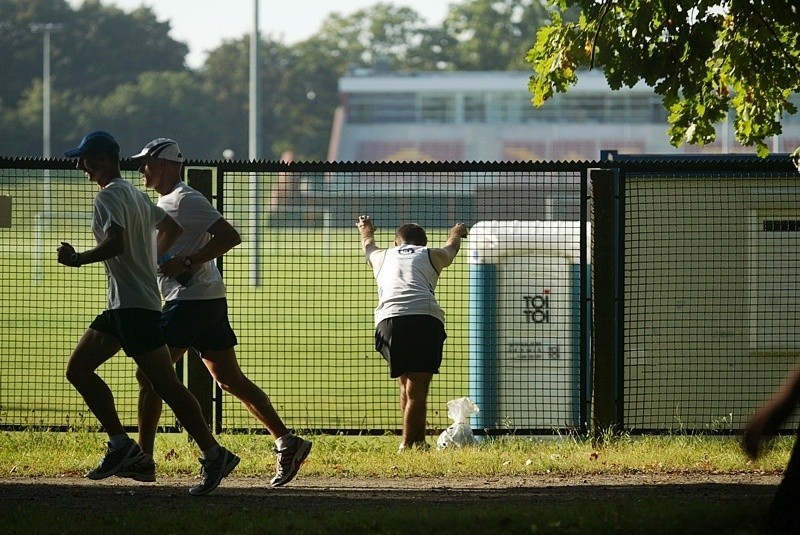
123,222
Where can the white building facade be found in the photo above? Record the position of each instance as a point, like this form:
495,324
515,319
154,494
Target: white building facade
488,116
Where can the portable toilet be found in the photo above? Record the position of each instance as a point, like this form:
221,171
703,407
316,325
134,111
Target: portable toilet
524,310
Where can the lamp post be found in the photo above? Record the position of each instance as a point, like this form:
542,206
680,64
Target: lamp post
254,137
255,154
46,29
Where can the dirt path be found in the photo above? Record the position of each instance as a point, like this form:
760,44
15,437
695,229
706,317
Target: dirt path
78,494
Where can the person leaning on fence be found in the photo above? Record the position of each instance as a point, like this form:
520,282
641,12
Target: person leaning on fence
195,313
124,222
409,323
783,515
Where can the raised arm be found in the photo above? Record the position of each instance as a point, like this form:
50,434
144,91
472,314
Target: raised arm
444,256
367,231
223,238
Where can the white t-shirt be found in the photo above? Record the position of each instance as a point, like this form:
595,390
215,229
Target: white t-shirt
406,279
131,275
196,215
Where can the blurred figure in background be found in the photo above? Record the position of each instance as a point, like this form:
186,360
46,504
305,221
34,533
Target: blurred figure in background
784,514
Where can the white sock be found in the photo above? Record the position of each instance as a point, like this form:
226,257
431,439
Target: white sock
279,442
211,453
117,441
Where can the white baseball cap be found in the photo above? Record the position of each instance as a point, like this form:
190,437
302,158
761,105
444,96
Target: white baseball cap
164,148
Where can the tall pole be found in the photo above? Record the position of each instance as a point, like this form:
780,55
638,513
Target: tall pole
255,90
255,154
46,29
46,95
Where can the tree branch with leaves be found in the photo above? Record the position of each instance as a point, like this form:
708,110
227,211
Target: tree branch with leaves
705,58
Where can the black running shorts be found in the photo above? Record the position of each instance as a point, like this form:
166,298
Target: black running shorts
136,329
202,324
411,344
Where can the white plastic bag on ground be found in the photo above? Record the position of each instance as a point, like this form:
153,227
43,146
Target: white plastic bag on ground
459,433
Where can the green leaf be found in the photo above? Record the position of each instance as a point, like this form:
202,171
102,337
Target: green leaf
704,58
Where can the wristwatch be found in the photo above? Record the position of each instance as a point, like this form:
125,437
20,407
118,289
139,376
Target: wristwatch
75,259
187,262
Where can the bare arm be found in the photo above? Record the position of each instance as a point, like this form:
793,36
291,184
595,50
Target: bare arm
367,230
444,256
111,246
224,237
169,231
772,414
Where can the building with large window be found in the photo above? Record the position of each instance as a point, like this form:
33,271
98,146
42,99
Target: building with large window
488,116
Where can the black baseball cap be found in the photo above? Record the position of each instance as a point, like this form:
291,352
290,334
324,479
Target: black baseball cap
96,142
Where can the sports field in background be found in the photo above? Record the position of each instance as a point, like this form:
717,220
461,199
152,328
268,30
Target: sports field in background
305,333
690,359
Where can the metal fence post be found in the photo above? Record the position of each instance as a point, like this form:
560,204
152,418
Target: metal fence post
200,382
606,292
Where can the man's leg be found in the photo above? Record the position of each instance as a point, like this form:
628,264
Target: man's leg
150,406
225,370
415,413
158,369
291,450
402,382
93,349
217,462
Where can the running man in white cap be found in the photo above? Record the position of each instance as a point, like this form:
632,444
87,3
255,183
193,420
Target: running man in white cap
195,313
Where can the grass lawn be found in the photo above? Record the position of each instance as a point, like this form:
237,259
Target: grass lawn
421,491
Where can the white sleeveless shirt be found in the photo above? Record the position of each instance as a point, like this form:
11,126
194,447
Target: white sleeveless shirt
406,279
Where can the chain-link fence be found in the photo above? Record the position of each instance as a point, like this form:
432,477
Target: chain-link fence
703,293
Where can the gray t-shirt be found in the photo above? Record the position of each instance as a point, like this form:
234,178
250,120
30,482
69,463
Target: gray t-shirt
132,274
